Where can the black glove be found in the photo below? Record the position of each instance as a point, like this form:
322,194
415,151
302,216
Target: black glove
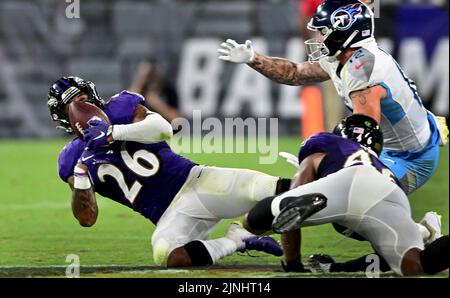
294,266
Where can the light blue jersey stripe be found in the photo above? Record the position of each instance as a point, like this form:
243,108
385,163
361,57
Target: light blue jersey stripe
391,109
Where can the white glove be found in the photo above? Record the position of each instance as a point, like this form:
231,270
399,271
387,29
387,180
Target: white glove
290,158
238,53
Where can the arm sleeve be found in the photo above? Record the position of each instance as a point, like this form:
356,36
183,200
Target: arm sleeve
120,110
153,129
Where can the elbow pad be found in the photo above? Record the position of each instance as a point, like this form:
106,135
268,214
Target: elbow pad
153,129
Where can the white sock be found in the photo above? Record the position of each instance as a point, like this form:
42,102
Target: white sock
424,232
219,248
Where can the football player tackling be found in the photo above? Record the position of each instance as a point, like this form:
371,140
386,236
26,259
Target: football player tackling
342,172
130,163
370,82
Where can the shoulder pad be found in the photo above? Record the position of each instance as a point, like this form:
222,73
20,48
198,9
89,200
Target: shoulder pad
361,65
120,109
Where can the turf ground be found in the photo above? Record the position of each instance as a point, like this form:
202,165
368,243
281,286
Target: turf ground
38,231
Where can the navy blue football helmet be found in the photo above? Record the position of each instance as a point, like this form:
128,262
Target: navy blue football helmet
362,129
342,24
61,93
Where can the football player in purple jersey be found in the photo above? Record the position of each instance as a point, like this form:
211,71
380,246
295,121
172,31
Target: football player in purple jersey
342,181
130,162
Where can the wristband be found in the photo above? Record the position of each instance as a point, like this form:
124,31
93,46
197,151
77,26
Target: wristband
81,178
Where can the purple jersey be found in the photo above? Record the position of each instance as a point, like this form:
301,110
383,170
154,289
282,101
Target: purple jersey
340,153
144,177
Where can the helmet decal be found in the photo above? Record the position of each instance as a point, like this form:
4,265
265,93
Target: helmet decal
344,17
343,24
362,129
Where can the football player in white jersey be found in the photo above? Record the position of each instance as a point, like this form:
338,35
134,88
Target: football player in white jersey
369,81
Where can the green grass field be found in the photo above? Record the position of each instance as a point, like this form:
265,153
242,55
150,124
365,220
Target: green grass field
38,230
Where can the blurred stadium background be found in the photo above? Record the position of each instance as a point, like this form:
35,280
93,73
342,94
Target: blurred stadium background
109,42
38,43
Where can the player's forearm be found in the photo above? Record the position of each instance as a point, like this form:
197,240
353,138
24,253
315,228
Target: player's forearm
84,204
291,245
84,207
284,71
291,250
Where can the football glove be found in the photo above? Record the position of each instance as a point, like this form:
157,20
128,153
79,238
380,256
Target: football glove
91,158
320,263
231,51
291,159
96,136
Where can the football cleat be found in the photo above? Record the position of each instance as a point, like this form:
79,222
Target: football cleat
265,244
246,241
443,130
320,263
432,221
298,210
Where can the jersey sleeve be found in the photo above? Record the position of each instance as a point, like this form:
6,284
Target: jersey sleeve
363,70
316,143
68,158
120,109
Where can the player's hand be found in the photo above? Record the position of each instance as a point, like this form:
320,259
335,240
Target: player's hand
291,159
294,266
96,136
231,51
91,158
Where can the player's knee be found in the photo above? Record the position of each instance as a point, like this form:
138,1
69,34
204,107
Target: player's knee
161,251
178,257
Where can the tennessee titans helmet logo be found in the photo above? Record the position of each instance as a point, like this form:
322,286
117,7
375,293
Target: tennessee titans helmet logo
344,17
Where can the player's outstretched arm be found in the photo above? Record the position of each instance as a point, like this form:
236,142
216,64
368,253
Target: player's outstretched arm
291,241
286,72
84,203
280,70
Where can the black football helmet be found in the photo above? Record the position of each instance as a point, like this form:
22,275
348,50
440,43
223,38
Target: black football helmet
61,93
362,129
342,24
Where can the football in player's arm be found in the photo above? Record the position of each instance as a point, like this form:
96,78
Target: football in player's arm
127,160
153,130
